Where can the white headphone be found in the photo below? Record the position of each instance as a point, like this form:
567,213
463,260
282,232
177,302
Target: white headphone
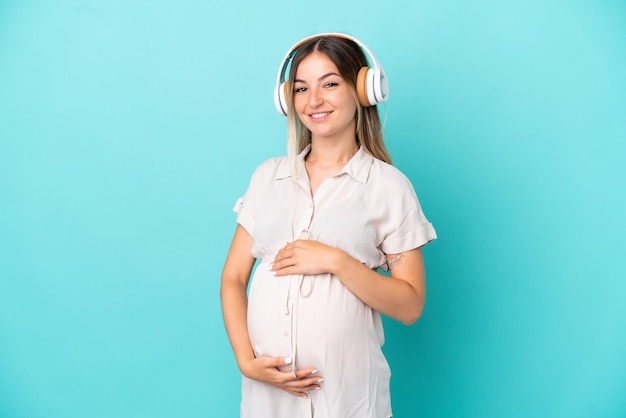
371,83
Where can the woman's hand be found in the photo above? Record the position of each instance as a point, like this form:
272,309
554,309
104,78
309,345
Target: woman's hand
401,298
306,257
267,370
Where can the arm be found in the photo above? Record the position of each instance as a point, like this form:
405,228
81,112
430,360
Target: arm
235,277
400,296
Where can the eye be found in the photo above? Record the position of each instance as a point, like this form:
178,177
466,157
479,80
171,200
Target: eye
299,89
331,84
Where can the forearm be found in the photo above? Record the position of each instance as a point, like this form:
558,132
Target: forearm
400,296
393,297
235,310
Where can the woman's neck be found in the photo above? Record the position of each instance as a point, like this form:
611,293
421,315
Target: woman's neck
327,158
331,153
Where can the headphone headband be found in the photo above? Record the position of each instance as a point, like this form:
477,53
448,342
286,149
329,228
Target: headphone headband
372,85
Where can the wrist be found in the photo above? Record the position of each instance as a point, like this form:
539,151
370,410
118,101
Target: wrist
341,259
245,366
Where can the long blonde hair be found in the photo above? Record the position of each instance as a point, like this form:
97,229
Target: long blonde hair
349,59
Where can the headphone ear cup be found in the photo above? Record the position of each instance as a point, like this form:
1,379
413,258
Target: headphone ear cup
286,94
362,86
280,98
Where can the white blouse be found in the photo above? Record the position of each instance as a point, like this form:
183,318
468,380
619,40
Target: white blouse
369,209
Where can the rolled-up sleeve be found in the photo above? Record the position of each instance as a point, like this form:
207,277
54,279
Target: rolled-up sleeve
405,225
247,206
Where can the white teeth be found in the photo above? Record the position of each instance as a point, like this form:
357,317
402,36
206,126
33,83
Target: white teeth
320,115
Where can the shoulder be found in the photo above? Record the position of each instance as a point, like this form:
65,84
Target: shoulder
271,168
388,176
263,178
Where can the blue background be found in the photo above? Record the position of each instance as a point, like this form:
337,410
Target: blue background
128,130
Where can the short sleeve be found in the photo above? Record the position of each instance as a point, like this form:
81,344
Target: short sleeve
247,206
244,216
405,225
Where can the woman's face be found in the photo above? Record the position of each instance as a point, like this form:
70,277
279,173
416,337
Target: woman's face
323,99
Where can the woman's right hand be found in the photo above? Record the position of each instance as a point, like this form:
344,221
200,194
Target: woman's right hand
267,370
235,278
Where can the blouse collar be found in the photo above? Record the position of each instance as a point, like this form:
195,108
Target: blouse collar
358,167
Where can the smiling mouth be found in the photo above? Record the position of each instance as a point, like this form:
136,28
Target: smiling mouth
319,115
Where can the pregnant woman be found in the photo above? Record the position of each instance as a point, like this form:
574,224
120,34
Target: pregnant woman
322,222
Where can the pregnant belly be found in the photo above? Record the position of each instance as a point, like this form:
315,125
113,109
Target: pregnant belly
313,316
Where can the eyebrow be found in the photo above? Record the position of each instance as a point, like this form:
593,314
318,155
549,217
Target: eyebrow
297,80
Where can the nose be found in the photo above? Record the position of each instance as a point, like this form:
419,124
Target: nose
315,97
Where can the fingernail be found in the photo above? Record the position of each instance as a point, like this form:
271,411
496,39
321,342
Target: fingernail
287,360
320,380
314,371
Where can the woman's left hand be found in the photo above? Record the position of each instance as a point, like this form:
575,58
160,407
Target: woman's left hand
306,257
